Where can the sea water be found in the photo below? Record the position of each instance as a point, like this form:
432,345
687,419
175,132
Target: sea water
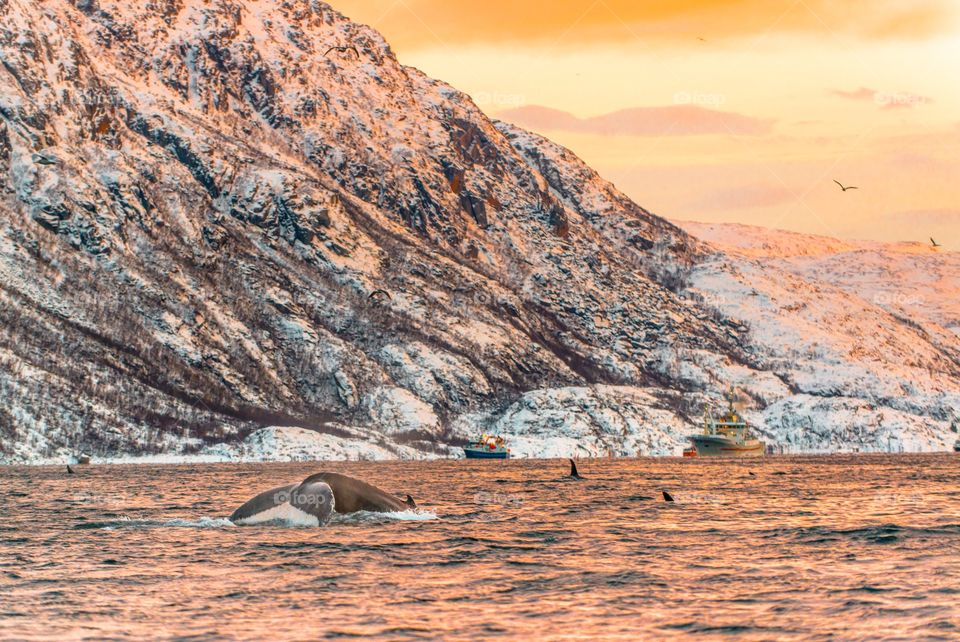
846,547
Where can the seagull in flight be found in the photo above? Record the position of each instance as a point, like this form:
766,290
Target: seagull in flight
935,244
343,50
845,189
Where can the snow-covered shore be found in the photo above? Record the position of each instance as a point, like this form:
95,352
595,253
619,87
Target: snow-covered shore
595,421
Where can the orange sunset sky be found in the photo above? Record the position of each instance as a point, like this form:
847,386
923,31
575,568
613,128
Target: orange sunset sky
724,110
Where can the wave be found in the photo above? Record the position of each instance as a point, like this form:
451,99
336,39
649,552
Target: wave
128,522
363,517
203,522
412,515
877,534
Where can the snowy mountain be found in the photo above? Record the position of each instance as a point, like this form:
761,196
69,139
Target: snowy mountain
221,216
864,334
915,280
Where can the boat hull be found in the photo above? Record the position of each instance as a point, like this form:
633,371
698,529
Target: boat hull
717,446
480,453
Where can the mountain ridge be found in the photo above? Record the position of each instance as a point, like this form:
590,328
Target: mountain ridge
240,214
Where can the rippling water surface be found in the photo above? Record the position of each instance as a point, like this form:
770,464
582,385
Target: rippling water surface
785,548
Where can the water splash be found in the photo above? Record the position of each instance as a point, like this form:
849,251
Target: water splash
364,517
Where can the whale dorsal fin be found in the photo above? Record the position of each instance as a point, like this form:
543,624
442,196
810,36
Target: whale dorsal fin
410,502
573,470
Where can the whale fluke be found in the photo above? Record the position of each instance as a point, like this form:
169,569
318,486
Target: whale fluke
574,474
308,504
667,497
313,501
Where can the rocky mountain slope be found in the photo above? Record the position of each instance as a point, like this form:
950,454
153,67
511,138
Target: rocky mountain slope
863,333
218,216
910,279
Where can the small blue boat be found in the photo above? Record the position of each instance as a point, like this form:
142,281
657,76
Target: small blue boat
487,447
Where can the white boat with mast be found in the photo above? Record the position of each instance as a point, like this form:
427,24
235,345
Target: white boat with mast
729,436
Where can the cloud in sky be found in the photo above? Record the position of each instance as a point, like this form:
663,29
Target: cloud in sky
745,196
864,93
672,120
884,99
573,23
940,216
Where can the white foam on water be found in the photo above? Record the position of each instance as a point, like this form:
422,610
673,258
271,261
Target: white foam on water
203,522
284,516
412,515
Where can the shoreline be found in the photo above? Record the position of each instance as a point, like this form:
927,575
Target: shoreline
212,460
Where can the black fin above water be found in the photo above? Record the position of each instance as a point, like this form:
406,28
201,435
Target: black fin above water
410,502
667,497
573,470
69,470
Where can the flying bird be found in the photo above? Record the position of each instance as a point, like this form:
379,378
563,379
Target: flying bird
343,50
845,189
379,293
935,244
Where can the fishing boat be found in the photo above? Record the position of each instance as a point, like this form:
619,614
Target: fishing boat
727,437
487,447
